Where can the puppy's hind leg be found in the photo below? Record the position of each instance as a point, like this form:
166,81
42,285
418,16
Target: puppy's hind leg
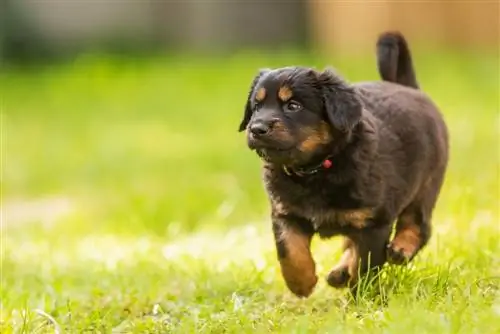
413,228
412,233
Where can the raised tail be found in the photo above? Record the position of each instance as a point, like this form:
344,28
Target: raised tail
394,60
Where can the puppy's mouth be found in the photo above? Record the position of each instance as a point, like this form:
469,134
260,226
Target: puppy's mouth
272,149
268,143
274,155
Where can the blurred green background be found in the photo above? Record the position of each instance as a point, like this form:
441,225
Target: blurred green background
146,143
120,118
130,110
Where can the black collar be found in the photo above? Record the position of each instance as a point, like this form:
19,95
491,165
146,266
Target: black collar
303,171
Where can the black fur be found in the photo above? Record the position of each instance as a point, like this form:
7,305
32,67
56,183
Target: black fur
388,144
343,106
248,107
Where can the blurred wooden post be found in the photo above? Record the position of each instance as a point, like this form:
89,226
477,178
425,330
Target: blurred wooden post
353,26
474,24
347,26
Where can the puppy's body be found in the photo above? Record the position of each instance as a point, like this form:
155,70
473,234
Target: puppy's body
387,149
395,150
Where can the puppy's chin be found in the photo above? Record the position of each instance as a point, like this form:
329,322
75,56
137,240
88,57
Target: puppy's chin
294,156
275,156
274,151
270,144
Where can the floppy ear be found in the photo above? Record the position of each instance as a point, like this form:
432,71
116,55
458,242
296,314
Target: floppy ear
248,106
342,104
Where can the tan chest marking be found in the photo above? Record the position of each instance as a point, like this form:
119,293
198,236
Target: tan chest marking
357,218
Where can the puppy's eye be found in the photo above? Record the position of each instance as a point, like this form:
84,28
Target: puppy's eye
256,106
293,106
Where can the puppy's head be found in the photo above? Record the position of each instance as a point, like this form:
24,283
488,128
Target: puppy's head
294,115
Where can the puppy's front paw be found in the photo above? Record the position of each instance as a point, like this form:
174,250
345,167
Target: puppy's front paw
303,287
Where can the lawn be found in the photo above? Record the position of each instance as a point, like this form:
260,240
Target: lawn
130,204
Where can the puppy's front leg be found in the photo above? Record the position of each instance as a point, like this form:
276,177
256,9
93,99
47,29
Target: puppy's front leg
293,240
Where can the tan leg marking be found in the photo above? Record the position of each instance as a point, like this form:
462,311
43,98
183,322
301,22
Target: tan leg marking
406,242
298,267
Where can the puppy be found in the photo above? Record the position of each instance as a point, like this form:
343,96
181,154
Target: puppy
347,160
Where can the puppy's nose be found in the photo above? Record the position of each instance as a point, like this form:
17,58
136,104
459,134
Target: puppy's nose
259,129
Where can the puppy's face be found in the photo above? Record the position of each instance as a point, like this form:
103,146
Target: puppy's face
295,114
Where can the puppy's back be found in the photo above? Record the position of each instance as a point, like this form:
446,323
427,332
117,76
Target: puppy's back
387,99
410,119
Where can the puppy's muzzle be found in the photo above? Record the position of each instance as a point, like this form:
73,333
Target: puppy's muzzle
261,131
261,128
268,136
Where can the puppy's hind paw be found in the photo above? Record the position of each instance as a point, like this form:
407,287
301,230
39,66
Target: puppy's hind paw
398,255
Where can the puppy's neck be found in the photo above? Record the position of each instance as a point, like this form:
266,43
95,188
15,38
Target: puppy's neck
325,164
339,156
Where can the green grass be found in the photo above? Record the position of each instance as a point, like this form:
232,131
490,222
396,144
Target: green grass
130,203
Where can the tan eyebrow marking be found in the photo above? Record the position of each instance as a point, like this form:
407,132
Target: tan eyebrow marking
260,95
285,93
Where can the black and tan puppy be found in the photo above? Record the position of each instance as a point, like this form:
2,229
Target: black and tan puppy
347,159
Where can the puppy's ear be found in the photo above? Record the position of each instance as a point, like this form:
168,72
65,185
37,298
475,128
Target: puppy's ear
342,104
248,106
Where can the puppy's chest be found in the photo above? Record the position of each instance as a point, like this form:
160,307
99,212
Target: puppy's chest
327,208
326,218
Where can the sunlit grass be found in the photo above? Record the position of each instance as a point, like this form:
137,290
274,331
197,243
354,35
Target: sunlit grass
131,203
